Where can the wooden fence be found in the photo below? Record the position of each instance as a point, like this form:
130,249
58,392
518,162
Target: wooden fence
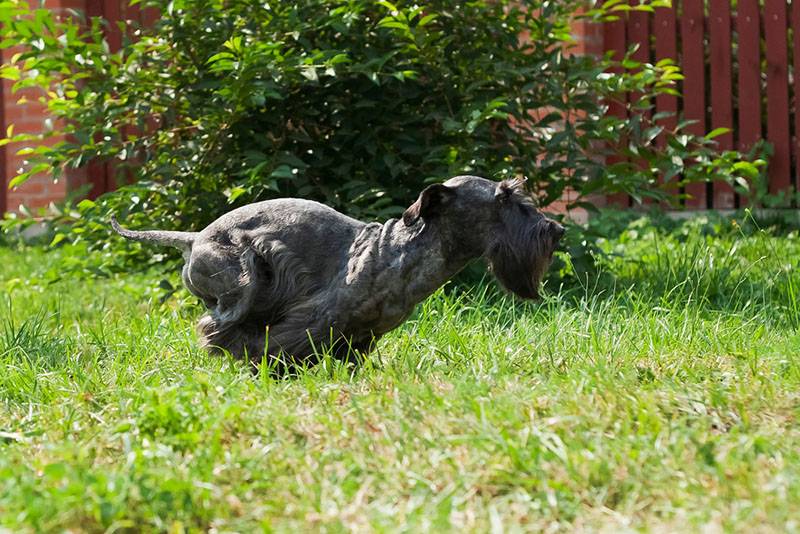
738,60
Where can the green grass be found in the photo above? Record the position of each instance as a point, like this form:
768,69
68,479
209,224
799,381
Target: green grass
662,393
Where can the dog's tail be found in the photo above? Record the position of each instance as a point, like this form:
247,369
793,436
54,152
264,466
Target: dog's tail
181,240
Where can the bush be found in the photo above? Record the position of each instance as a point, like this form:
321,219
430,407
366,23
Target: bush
358,104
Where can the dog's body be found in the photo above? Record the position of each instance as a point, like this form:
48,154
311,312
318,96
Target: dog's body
290,276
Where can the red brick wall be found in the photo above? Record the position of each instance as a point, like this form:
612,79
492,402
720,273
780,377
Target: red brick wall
589,38
27,115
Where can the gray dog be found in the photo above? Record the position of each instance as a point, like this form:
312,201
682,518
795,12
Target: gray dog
289,276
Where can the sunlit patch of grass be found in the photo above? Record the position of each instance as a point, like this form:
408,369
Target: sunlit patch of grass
665,397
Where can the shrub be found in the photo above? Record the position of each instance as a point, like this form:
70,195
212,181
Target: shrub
355,103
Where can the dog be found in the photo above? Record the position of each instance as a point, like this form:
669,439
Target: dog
285,278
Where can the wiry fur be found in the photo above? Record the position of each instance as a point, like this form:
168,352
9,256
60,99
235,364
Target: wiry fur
520,256
285,278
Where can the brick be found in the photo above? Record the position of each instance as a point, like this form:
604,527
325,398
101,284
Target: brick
72,4
27,126
30,93
588,37
32,203
19,114
30,189
58,188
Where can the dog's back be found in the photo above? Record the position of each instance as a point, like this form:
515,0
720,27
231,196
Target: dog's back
314,233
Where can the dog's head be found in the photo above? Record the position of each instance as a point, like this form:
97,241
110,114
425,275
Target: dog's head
495,219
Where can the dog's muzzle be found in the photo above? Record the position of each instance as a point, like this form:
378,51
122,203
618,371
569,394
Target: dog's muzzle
557,231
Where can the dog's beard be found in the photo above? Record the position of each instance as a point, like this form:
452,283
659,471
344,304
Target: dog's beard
519,259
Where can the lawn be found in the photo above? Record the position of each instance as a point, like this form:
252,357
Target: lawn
662,393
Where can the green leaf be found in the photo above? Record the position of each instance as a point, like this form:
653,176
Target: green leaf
747,168
717,132
10,72
392,23
221,56
234,44
427,19
58,238
86,204
282,171
388,5
235,193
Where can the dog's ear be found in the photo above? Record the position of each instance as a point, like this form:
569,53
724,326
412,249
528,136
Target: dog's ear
428,204
507,188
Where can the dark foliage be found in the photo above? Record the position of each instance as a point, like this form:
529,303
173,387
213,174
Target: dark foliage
358,104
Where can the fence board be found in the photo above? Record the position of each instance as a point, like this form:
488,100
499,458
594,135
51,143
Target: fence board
665,31
694,83
112,12
775,33
719,28
140,16
615,40
133,15
748,26
639,33
94,8
150,16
